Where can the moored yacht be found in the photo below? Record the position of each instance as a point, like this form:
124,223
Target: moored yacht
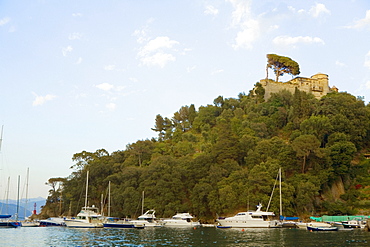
53,221
88,217
250,219
181,219
5,222
148,219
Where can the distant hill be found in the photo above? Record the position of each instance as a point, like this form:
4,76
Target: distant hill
11,207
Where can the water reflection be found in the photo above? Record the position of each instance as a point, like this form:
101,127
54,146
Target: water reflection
164,236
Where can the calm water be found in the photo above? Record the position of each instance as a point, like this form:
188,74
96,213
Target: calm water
165,236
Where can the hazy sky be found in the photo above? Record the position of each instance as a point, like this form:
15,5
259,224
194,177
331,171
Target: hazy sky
85,75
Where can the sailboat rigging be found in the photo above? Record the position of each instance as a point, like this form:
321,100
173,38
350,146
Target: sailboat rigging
88,217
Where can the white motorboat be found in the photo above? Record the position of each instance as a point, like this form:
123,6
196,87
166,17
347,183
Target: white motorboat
88,217
30,223
304,225
181,219
250,219
148,219
353,224
53,221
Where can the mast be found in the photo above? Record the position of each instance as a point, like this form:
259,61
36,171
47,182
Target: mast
87,186
25,207
7,196
19,179
109,199
281,204
102,204
142,204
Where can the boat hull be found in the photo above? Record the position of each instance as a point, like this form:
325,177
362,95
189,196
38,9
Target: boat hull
83,224
52,222
10,224
118,225
321,229
30,224
182,224
247,223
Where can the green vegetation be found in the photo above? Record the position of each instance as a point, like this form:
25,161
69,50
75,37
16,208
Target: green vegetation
224,157
281,65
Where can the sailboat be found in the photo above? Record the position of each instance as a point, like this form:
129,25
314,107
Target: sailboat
28,223
113,222
5,221
88,217
286,222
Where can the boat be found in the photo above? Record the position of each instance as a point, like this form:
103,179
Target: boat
88,217
304,225
52,221
181,219
352,224
250,219
322,229
209,225
112,222
27,222
288,222
148,219
30,223
223,227
6,222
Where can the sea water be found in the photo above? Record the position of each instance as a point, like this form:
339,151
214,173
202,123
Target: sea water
166,236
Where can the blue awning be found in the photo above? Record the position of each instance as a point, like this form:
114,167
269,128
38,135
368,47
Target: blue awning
5,216
288,218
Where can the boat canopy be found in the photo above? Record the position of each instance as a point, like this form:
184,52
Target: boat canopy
288,218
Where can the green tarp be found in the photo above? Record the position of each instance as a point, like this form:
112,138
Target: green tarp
328,218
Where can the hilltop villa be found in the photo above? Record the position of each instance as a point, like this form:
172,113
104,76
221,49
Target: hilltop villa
318,85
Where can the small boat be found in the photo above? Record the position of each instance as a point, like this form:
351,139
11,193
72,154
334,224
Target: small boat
304,225
181,219
322,229
353,224
289,224
209,225
30,224
53,221
223,227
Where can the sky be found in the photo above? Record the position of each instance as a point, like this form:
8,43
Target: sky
84,75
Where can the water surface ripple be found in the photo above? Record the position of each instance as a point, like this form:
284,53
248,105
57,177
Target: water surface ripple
166,236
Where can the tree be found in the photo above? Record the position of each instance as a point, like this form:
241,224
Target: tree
159,126
305,145
282,65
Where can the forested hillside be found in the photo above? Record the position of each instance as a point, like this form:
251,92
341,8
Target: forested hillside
224,157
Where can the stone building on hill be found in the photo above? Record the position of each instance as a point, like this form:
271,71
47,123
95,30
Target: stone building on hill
318,85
